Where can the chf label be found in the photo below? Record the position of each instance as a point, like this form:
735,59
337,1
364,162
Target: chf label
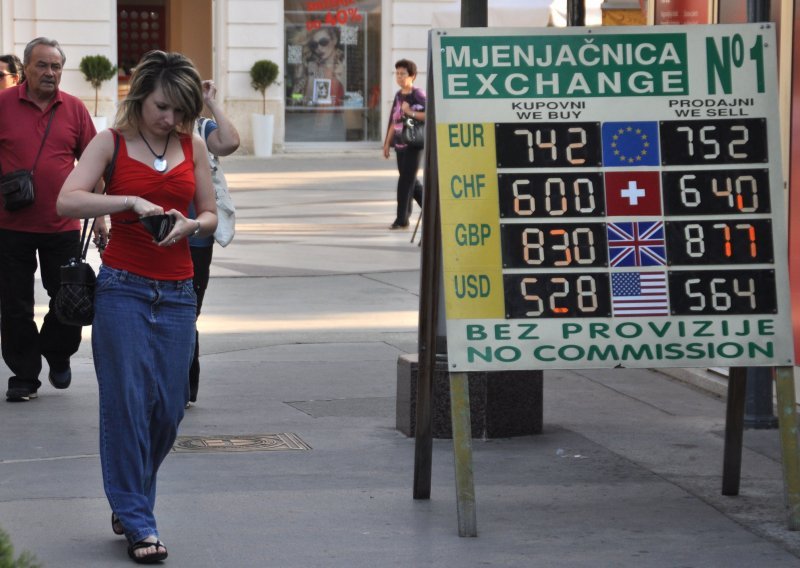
467,186
465,135
471,234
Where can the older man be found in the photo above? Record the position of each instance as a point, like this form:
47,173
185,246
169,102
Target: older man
25,112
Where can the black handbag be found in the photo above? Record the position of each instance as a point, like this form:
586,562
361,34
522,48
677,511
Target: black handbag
17,189
413,134
74,301
17,186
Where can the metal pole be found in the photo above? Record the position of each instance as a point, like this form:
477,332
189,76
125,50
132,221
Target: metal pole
790,454
474,13
734,432
576,13
758,10
430,267
758,411
462,451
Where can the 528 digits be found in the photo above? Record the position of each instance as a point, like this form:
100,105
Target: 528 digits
556,295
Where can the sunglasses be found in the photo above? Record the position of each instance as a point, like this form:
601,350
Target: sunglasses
158,225
321,43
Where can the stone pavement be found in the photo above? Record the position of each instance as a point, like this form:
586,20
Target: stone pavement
306,315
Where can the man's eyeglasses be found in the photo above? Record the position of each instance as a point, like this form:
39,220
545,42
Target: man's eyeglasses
321,43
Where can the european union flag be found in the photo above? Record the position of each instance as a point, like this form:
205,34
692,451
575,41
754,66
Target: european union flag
630,144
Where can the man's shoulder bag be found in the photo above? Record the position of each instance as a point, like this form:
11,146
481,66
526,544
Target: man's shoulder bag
17,187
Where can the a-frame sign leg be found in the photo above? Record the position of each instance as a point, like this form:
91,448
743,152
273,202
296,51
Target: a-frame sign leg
734,431
462,454
787,417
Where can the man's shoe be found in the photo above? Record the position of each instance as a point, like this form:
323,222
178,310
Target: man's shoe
20,394
397,226
60,379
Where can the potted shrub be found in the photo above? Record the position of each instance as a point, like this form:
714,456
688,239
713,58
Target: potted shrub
263,73
97,69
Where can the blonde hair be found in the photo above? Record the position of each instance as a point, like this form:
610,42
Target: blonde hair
177,77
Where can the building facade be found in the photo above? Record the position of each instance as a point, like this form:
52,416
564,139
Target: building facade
336,57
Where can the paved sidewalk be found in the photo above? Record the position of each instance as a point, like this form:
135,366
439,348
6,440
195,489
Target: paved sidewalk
306,315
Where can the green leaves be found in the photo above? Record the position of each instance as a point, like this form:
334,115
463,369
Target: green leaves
97,69
262,74
25,560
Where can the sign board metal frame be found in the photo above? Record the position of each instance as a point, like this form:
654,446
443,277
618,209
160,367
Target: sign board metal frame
456,161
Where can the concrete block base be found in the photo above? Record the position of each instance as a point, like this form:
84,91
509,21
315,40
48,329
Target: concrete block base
502,403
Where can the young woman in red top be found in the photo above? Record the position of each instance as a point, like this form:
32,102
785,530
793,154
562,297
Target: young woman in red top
143,332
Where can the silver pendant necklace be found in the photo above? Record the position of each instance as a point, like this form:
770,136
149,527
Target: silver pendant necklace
160,163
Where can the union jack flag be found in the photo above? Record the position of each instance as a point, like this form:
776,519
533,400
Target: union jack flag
636,244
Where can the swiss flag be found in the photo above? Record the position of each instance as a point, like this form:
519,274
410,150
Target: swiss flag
633,193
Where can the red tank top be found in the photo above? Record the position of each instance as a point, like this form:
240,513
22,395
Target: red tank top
131,247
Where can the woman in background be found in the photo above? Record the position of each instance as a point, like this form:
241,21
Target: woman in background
409,101
11,72
221,139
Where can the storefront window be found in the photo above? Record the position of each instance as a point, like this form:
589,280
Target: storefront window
332,70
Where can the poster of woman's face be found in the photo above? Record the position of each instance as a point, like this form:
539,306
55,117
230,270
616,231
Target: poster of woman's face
323,44
318,55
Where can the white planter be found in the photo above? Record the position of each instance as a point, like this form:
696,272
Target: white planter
100,122
263,129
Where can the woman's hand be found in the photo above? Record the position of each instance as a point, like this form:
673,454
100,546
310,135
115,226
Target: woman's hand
406,109
144,208
183,228
209,91
100,232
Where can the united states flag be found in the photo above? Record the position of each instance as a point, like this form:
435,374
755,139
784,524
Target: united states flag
639,294
636,244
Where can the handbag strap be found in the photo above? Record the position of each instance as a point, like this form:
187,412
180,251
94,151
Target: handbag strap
46,132
109,171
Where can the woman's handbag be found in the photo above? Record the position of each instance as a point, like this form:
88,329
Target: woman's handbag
17,186
226,211
413,134
74,301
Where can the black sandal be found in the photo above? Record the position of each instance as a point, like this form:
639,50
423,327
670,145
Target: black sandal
147,558
116,525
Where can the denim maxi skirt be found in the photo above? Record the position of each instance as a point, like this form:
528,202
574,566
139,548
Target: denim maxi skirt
143,339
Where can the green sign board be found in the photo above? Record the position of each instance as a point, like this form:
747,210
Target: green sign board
611,197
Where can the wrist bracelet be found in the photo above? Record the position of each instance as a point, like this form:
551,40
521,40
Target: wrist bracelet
197,230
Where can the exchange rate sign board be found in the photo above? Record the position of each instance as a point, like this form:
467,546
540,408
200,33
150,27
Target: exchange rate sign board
611,197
